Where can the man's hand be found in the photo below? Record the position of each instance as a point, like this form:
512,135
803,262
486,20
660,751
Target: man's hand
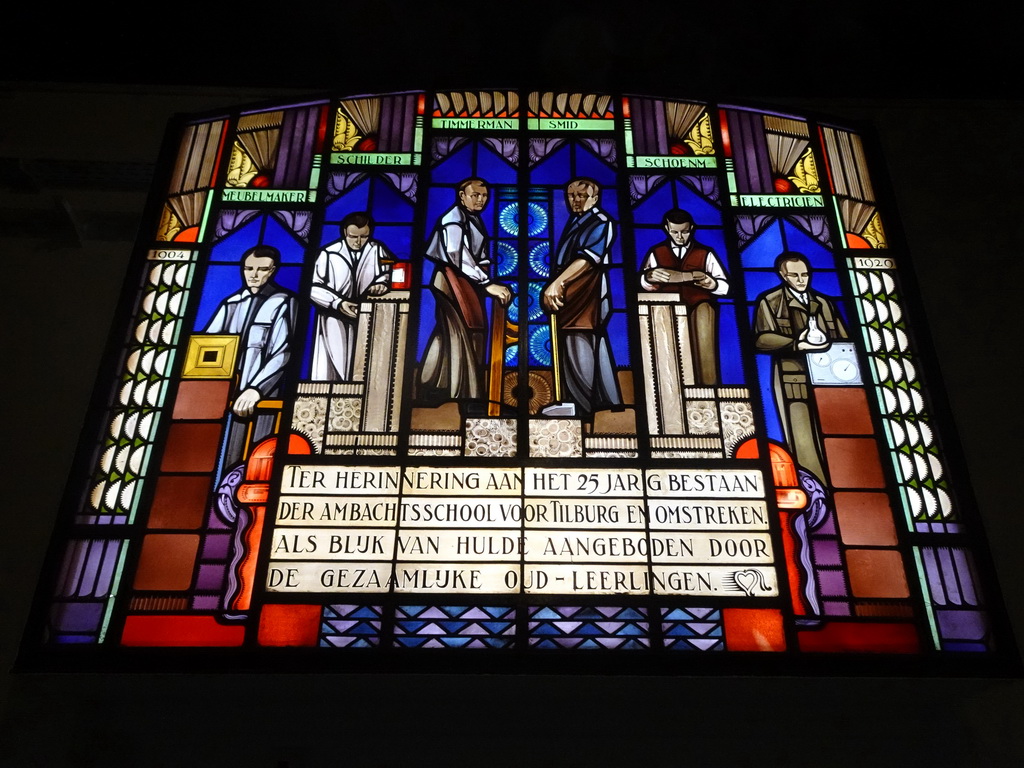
552,298
349,308
245,403
665,275
803,345
377,289
499,292
704,280
806,346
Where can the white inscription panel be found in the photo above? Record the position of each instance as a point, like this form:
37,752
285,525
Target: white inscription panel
499,530
462,512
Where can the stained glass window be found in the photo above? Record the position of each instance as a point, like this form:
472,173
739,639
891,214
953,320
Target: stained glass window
521,373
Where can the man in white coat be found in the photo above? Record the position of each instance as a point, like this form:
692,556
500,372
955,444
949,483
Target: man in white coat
262,314
346,271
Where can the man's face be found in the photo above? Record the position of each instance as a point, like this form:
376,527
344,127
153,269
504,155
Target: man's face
580,197
796,274
356,237
256,271
680,234
474,197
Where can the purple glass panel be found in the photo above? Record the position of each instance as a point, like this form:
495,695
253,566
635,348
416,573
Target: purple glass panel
966,647
76,617
965,571
89,572
105,576
88,567
832,583
211,577
947,572
753,173
931,570
835,608
962,625
826,552
828,525
216,547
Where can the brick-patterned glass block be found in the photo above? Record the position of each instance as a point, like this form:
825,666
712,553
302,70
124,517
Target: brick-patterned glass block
588,627
692,629
350,626
454,626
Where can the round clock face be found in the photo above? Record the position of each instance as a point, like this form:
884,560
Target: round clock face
844,370
821,359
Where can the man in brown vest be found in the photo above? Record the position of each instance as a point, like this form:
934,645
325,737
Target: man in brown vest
682,265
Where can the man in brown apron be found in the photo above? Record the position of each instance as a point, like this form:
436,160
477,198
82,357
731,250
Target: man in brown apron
579,300
453,364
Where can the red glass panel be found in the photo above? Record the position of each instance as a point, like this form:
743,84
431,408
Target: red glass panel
201,399
289,625
865,518
843,411
877,573
191,448
853,462
166,562
861,638
180,631
180,501
753,629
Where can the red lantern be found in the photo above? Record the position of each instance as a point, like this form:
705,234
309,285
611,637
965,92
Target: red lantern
401,276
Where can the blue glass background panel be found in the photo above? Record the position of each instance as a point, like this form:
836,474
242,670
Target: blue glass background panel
427,310
587,164
730,352
236,243
645,240
763,249
455,167
798,240
702,210
827,283
397,237
292,250
652,208
389,204
494,168
764,382
618,336
759,282
354,199
554,169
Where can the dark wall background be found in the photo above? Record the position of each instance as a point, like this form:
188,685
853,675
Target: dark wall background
81,124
